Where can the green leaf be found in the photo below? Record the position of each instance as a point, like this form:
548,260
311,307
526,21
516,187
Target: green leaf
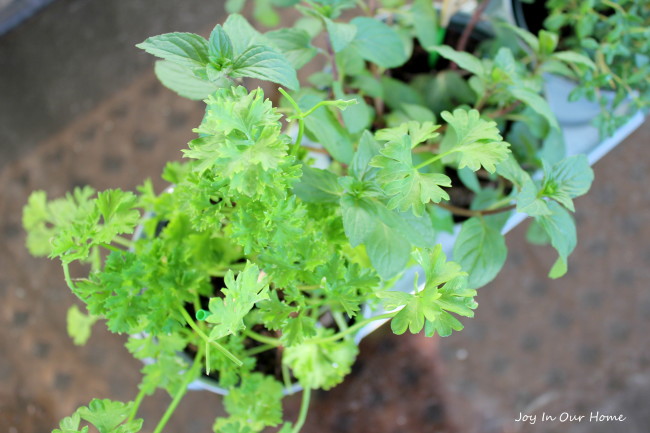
256,403
560,227
294,44
368,148
70,425
481,251
119,215
477,141
403,183
182,81
547,42
340,34
378,43
79,325
107,416
425,21
529,38
463,60
326,129
318,186
536,102
387,249
297,329
265,63
242,34
575,58
240,296
419,132
529,200
445,291
358,218
185,49
219,45
568,179
321,365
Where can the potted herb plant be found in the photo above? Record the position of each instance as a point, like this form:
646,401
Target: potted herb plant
260,270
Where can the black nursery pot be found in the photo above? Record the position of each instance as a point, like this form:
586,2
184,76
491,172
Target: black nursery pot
530,15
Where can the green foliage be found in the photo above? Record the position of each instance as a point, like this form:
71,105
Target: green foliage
283,224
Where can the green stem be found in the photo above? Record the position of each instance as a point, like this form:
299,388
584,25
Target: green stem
189,377
304,406
66,276
260,349
352,328
205,338
326,104
433,159
262,338
286,375
340,320
111,247
123,241
136,404
299,116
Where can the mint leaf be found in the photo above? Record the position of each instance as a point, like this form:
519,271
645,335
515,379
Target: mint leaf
182,81
242,34
568,179
294,44
481,251
318,186
404,184
265,63
387,249
536,102
529,200
340,34
185,49
321,365
561,229
358,218
240,296
425,21
477,141
378,43
219,45
466,61
368,148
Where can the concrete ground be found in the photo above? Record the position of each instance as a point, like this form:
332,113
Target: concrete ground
576,345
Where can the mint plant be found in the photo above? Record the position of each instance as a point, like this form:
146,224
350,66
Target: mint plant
254,253
615,35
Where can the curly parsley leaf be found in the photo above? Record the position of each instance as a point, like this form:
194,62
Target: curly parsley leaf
70,424
110,416
242,293
254,405
406,186
322,364
476,141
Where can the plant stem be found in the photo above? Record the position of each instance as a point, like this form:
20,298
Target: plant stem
123,241
304,406
474,213
136,404
262,338
351,329
301,121
189,376
433,159
286,375
467,31
205,338
66,276
111,248
260,349
340,320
